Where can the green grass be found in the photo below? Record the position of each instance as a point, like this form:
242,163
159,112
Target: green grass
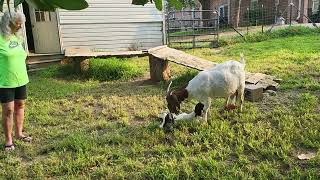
86,128
226,40
113,69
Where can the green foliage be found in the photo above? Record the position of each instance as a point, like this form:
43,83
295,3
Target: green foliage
113,69
1,5
50,5
17,2
158,4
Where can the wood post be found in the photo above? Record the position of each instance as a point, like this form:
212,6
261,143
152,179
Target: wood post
80,65
159,69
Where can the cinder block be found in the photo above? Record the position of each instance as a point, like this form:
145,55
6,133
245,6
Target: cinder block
253,92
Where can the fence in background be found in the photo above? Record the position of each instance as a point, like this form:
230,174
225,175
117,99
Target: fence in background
203,28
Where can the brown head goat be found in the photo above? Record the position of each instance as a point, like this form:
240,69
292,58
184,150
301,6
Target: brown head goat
225,80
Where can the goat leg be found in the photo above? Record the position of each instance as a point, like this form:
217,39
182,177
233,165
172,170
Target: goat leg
206,108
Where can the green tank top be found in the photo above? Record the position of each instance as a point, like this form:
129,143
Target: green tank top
13,71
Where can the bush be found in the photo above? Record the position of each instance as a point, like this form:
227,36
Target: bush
113,69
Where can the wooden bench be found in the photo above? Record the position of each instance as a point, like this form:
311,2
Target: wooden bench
78,56
159,57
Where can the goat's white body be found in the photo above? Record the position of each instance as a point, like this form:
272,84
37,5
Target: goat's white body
185,116
179,117
223,81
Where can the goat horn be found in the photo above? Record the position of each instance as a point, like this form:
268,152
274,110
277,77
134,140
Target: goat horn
168,89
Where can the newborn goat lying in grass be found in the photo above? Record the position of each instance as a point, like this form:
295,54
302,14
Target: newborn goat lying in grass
225,80
169,118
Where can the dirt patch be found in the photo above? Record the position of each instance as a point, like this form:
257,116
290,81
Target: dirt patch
280,98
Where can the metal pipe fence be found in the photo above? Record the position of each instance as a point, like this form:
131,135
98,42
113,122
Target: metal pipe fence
203,28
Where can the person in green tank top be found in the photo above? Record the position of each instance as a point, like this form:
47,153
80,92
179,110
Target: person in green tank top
13,77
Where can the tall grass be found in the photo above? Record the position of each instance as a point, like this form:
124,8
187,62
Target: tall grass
275,34
113,69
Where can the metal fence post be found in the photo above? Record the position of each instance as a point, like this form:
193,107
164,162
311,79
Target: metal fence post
168,27
262,17
193,31
215,21
290,15
249,23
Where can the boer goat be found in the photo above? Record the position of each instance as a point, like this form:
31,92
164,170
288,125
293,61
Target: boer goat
168,119
225,80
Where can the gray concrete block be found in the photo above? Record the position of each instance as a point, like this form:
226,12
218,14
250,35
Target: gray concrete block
253,92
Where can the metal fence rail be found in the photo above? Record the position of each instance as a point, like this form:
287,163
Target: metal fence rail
188,29
204,28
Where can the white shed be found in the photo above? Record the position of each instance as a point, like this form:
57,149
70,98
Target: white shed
106,25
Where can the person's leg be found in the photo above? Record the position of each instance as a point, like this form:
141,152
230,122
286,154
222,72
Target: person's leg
19,117
7,104
7,121
19,109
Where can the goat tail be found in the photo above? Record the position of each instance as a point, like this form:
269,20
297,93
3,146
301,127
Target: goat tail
168,89
242,60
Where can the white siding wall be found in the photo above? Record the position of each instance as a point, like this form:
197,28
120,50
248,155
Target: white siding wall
111,25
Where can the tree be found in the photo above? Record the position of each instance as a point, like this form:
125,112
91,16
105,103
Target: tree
49,5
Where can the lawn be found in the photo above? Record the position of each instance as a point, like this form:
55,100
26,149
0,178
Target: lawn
90,127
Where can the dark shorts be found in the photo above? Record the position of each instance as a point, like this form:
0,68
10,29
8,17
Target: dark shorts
11,94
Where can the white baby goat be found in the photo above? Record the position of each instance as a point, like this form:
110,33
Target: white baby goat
225,80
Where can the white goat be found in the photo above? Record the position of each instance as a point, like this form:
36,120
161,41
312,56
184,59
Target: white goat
225,80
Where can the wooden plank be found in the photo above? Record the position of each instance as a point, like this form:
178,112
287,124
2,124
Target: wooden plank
85,52
180,57
254,78
268,84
